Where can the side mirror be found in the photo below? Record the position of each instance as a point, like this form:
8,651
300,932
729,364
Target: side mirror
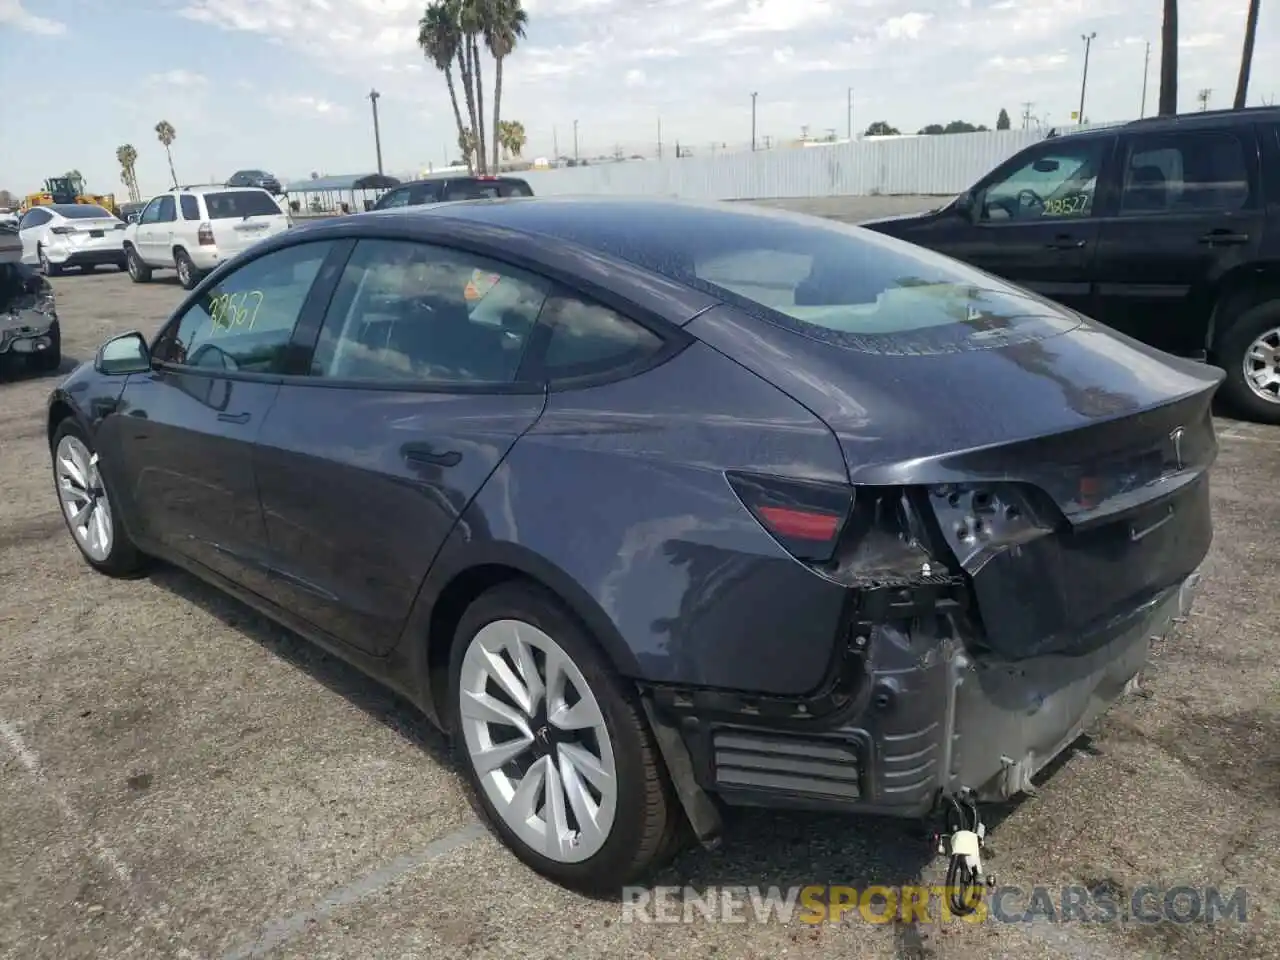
965,205
127,353
134,217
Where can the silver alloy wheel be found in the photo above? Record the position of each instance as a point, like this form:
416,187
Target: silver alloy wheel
131,260
1262,365
184,271
538,742
44,262
83,497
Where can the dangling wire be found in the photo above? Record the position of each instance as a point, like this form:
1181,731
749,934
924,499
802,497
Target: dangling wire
964,884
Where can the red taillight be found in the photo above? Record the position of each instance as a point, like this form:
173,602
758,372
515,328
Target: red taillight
204,236
62,230
804,517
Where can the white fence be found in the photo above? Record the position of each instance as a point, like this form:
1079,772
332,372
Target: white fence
937,165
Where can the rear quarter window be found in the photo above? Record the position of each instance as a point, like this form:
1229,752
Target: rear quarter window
238,204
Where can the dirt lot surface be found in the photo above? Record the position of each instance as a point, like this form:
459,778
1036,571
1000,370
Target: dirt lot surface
179,778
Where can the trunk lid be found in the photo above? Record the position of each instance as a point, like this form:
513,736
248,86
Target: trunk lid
1065,466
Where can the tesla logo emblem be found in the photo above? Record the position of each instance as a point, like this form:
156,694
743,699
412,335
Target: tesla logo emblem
1176,439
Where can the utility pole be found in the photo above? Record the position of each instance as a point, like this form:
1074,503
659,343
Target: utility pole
1084,79
1203,96
575,141
1146,64
377,135
753,121
848,110
1026,113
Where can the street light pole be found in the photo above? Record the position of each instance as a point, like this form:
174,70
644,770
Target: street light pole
1084,79
753,121
377,135
1146,66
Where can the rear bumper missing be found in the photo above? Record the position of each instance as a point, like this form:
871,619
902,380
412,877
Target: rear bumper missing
930,718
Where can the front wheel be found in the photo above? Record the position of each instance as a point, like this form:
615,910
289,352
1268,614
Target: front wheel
556,750
1249,351
47,266
87,505
139,272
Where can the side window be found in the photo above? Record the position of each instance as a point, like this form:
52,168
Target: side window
514,188
190,207
165,213
1054,182
152,212
34,218
244,323
412,312
1185,173
396,198
424,193
586,338
470,190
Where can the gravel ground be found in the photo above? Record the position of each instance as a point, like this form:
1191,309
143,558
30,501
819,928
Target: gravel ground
179,778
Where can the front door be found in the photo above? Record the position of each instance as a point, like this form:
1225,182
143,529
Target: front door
413,401
155,227
1190,211
187,447
1034,222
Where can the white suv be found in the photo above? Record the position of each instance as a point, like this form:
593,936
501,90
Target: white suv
193,229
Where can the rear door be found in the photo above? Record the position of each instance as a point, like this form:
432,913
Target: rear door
1191,209
241,218
190,424
1035,220
414,397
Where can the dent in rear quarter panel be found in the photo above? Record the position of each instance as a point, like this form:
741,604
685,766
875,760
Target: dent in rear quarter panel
620,489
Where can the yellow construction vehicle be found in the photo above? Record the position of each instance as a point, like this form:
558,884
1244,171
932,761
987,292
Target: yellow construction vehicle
64,190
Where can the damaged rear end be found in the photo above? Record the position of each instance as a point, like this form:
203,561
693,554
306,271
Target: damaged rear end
1029,510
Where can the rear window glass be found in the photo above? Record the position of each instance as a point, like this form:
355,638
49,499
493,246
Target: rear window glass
829,281
239,204
471,191
80,211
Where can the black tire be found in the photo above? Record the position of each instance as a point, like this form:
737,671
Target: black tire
1230,352
641,834
89,268
47,361
123,265
48,268
124,558
188,275
139,272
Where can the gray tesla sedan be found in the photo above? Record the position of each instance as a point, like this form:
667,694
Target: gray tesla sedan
659,507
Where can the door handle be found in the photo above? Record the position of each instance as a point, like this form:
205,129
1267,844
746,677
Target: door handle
1065,242
424,453
234,417
1224,236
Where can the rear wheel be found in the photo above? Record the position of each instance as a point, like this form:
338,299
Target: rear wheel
556,750
188,275
87,505
139,272
47,267
1249,351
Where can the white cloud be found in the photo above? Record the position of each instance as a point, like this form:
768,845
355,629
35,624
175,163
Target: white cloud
1200,40
14,14
635,78
178,78
305,105
1039,64
908,26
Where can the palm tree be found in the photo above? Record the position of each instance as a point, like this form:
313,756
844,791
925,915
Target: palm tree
472,16
166,135
440,38
1169,60
511,135
127,156
1246,57
503,28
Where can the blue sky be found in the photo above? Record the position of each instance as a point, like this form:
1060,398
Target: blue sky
281,84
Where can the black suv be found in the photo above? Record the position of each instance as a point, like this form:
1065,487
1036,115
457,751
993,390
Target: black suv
256,178
446,188
1167,229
